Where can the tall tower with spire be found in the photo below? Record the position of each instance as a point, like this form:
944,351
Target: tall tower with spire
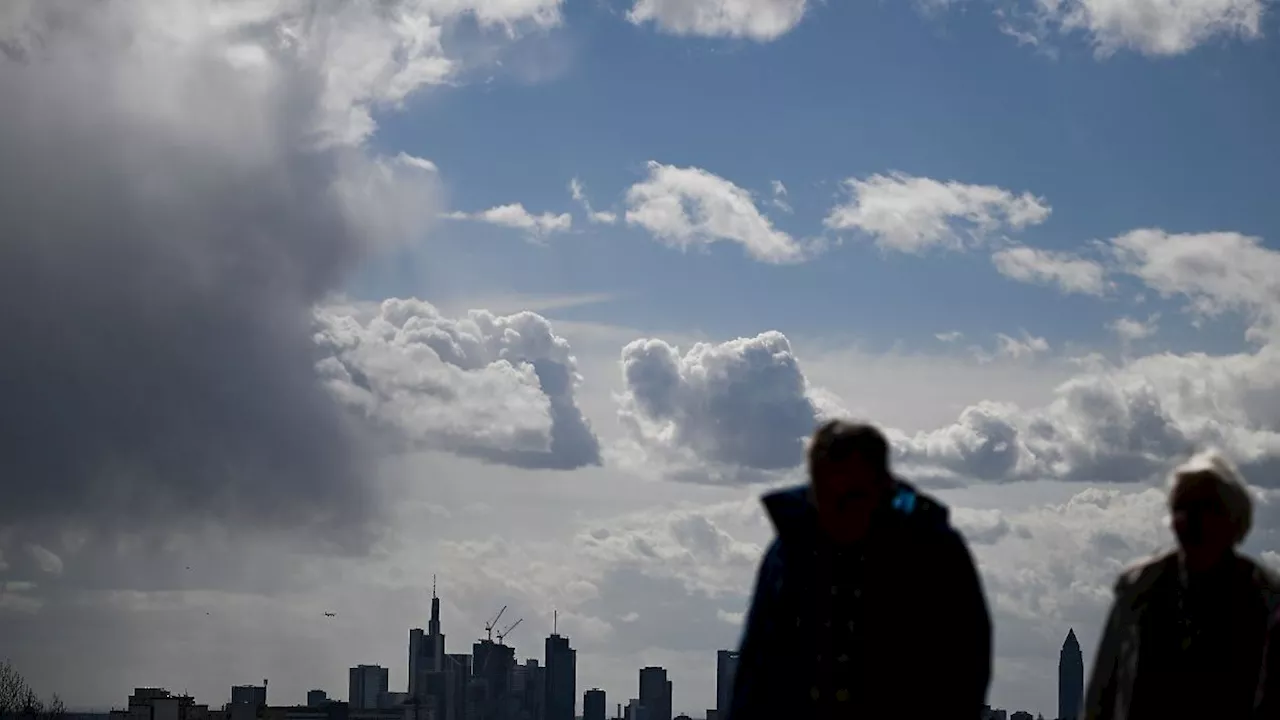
433,628
1070,677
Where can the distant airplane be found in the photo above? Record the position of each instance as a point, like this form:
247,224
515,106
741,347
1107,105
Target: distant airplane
329,614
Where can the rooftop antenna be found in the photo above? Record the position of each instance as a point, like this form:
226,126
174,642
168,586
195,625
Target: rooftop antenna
433,585
555,622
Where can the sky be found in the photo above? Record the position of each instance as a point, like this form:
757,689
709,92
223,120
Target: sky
307,303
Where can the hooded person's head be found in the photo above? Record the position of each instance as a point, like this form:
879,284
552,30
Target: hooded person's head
849,476
1210,509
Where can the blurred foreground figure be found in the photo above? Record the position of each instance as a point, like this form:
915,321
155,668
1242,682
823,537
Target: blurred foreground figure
867,603
1185,635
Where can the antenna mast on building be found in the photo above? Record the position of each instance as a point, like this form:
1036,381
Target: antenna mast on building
555,622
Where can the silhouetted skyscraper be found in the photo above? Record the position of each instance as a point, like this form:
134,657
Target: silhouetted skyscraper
726,669
426,650
366,683
593,704
316,698
492,665
1070,677
561,678
655,693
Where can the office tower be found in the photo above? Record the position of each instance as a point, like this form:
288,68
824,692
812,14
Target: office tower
655,693
316,698
427,656
415,650
529,686
254,695
593,704
366,683
726,670
457,670
490,688
561,693
1070,677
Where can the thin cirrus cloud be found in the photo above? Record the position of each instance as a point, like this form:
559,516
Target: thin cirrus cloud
579,193
688,207
758,20
913,215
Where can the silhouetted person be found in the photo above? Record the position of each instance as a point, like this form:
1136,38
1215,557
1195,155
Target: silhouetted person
867,604
1268,701
1185,635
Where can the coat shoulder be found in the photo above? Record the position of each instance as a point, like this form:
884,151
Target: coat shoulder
1141,575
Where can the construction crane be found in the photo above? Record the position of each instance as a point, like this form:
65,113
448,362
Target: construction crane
503,635
489,626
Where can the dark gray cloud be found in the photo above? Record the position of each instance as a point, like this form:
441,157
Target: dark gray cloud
169,221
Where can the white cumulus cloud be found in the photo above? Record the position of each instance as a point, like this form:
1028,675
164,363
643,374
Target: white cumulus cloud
1070,273
742,405
690,207
515,216
1156,27
759,20
915,214
497,387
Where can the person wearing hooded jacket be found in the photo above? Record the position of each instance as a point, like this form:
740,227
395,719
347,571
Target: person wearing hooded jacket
867,603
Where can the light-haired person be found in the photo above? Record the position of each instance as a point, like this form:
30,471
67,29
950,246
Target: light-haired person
1185,635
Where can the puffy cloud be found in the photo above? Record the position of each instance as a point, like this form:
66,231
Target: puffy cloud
1217,272
1155,27
1118,424
690,207
726,412
915,214
1130,329
498,388
1068,272
579,194
1128,422
515,216
759,20
1021,348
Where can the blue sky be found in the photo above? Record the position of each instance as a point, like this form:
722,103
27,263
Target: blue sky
310,278
1112,144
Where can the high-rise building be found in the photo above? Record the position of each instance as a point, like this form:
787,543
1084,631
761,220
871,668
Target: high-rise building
726,670
316,698
593,704
561,678
655,693
529,685
490,687
415,651
366,683
457,669
1070,677
253,695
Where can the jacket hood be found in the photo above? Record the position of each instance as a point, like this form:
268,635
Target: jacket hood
792,511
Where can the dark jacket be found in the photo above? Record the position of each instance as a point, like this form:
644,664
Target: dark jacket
1124,680
918,641
1268,697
